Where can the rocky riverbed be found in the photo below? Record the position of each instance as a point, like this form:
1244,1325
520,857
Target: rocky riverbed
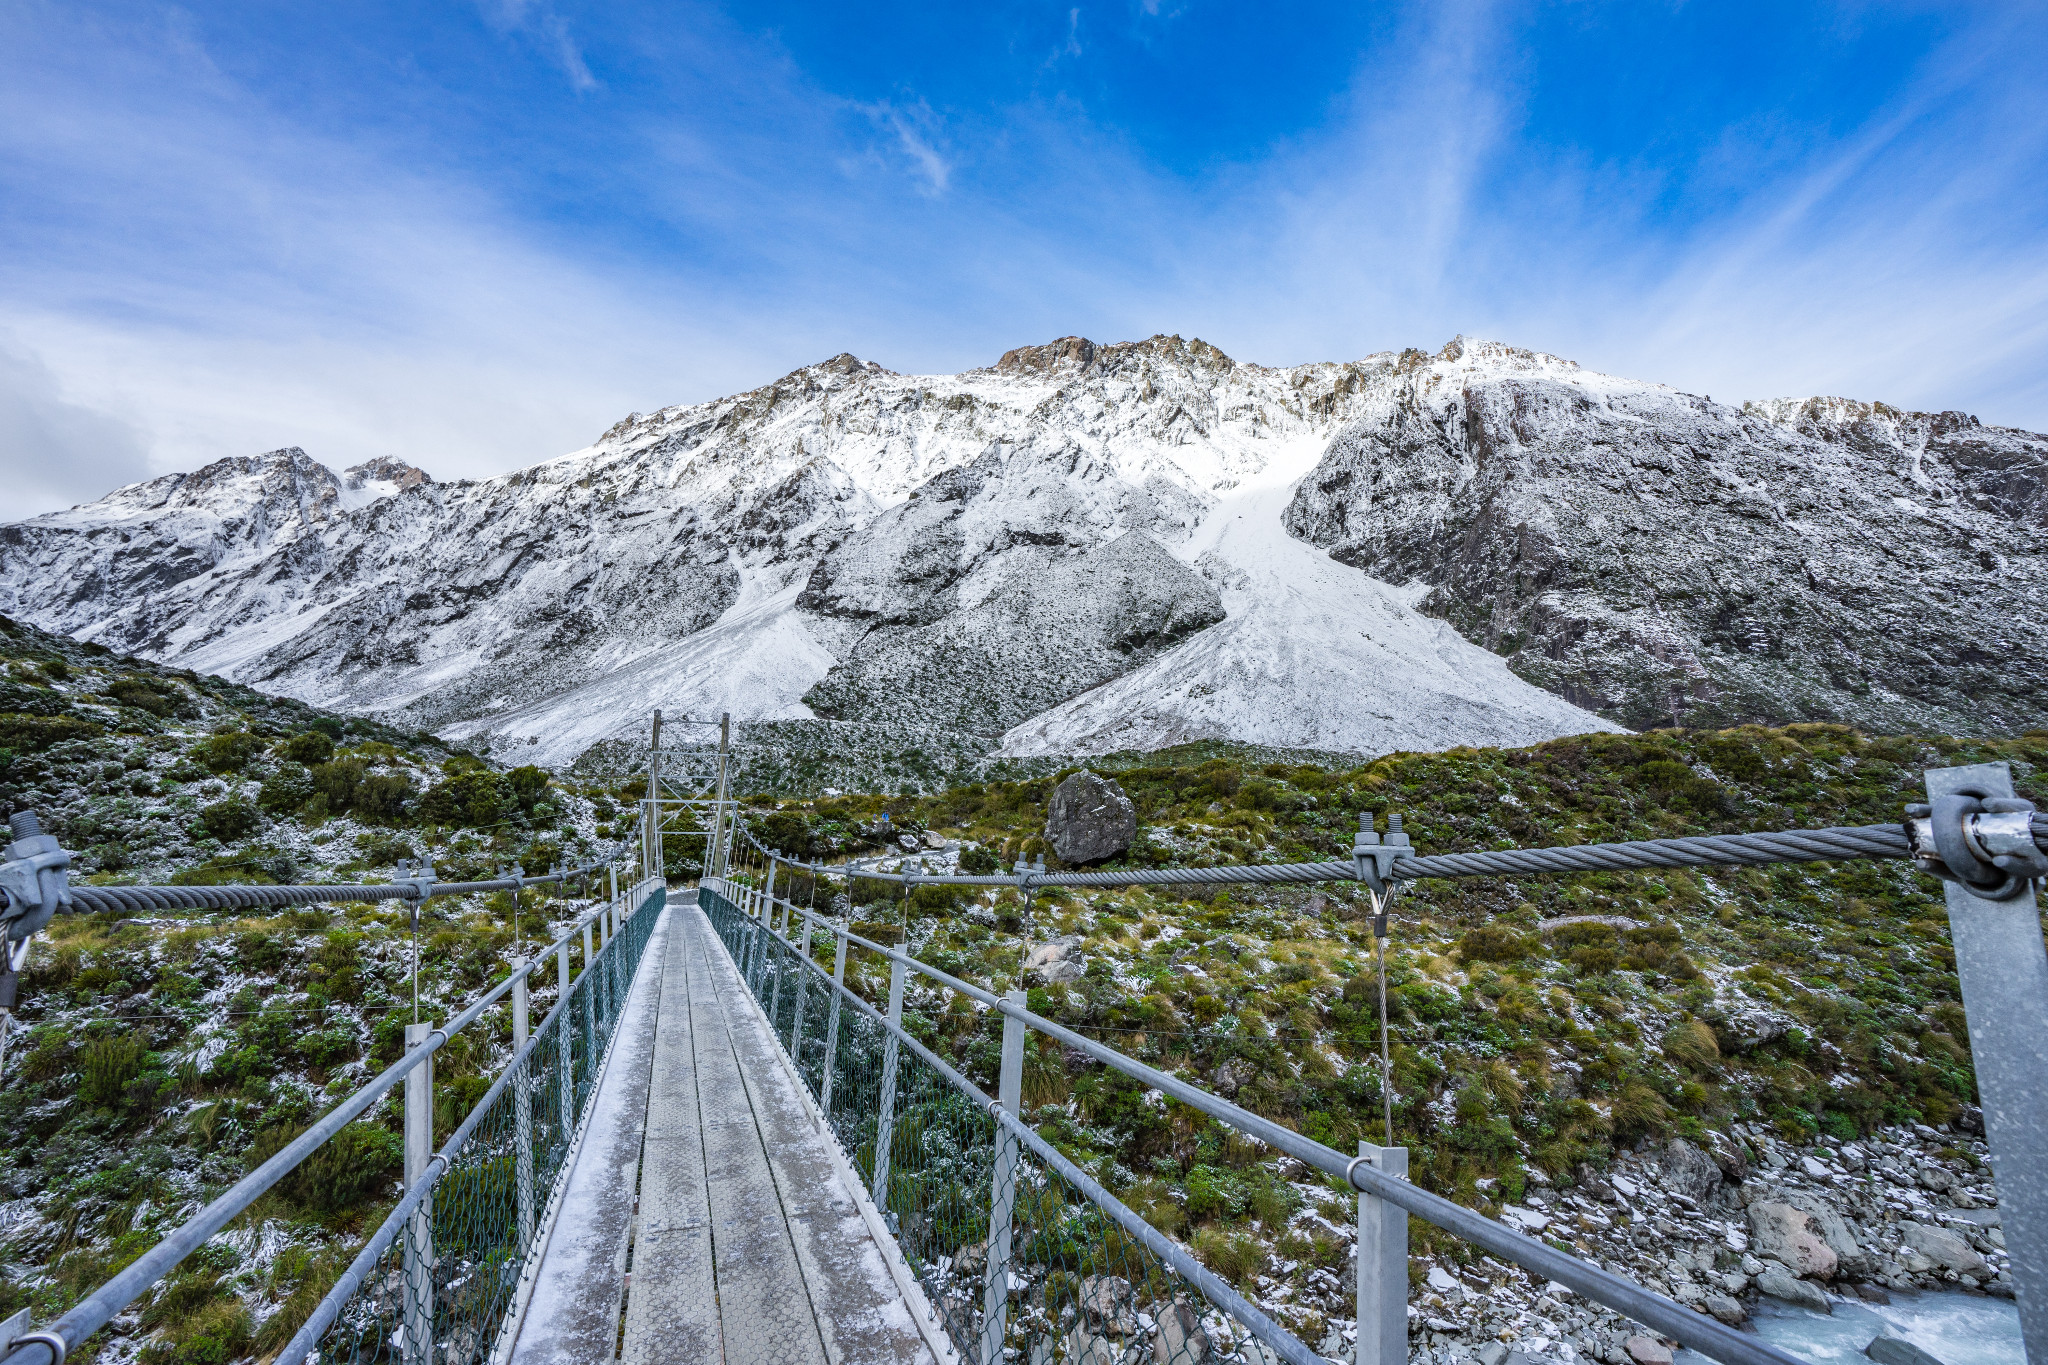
1717,1226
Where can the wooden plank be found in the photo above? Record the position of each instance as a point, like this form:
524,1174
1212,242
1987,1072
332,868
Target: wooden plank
863,1317
766,1313
672,1308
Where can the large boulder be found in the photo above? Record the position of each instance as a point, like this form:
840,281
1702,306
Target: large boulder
1057,962
1850,1257
1690,1171
1889,1350
1793,1237
1090,819
1945,1249
1780,1284
1178,1336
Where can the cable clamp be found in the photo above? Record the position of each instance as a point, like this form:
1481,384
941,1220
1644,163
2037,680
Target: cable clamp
1372,858
1351,1171
35,877
1983,843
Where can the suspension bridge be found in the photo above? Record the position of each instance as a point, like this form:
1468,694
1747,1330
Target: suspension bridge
712,1147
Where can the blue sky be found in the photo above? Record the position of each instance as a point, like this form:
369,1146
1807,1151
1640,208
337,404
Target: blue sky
474,235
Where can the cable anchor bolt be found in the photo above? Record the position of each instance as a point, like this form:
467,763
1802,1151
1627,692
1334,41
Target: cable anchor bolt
1984,843
35,877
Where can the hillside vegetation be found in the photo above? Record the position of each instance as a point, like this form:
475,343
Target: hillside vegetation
1539,1026
156,1059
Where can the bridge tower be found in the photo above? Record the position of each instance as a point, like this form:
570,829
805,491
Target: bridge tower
689,792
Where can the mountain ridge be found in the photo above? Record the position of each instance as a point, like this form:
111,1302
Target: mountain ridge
853,544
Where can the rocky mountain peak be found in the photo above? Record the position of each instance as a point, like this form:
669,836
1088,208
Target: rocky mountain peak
1071,354
383,476
1478,353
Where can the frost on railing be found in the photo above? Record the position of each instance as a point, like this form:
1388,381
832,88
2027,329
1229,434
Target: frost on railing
1013,1255
443,1278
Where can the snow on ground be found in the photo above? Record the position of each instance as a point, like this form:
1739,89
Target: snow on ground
756,661
1313,654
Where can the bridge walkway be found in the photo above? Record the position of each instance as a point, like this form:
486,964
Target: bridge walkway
707,1217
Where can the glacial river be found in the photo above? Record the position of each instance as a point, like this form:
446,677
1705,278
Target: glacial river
1958,1329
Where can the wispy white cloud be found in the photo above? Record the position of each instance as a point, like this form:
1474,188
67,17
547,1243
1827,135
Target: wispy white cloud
538,20
197,273
918,132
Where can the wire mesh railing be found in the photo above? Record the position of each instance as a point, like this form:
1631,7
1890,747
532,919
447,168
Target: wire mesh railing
1020,1254
442,1280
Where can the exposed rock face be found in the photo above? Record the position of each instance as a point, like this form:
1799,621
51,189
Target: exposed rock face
1083,549
1660,558
1048,631
1178,1335
1793,1236
1089,818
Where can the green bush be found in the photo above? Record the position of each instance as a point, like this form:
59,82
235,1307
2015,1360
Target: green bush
350,1169
1493,943
477,799
336,781
312,748
32,734
383,797
144,694
109,1064
229,753
228,820
285,790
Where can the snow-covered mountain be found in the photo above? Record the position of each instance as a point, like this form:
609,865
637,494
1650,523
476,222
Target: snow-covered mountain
1078,549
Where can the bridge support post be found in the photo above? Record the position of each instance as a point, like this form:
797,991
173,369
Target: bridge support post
804,969
564,1050
995,1299
522,1114
885,1125
832,1018
591,981
775,954
1382,1267
419,1231
2003,970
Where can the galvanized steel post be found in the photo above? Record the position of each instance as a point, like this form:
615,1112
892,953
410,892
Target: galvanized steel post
419,1234
563,1050
995,1300
2003,970
803,977
522,1115
832,1017
591,980
885,1126
775,998
1382,1266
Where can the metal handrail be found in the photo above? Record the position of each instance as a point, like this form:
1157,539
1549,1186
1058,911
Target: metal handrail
110,1299
323,1316
1703,1334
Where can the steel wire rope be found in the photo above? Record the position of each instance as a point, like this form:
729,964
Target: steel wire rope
1719,850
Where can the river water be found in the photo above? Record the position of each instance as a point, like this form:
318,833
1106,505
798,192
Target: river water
1958,1329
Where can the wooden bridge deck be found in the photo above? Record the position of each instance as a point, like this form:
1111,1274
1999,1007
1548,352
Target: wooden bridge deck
707,1217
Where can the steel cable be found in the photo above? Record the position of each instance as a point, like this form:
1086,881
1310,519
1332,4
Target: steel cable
139,898
1710,850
